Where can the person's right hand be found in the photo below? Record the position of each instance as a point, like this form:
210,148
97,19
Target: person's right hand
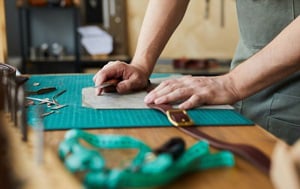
132,78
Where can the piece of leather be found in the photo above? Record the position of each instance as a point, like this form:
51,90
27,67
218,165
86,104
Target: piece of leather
176,116
248,152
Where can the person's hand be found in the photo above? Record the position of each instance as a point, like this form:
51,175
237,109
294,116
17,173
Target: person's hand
194,91
286,166
132,78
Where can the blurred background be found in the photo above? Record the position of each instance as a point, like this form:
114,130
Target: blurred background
67,36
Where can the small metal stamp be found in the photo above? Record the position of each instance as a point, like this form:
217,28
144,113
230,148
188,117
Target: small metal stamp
5,92
38,128
21,113
1,95
12,97
8,74
13,103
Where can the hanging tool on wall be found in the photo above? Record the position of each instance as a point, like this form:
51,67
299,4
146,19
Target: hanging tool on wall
207,9
222,13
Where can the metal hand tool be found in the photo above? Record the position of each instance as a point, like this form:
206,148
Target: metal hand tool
47,113
57,95
59,106
49,103
45,101
41,91
42,100
13,97
6,87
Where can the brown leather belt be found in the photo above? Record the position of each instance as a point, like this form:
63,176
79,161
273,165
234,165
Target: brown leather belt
183,122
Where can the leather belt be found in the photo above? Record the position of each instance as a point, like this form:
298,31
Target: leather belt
183,122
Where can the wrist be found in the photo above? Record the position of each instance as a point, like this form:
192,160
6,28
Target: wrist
144,66
230,85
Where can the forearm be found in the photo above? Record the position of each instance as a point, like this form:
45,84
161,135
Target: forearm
277,60
160,21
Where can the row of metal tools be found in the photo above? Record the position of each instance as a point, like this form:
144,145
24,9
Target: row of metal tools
12,97
13,103
222,11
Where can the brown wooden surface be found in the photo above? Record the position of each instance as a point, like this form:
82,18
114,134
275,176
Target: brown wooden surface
243,175
18,166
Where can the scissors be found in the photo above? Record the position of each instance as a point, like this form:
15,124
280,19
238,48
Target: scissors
42,100
51,102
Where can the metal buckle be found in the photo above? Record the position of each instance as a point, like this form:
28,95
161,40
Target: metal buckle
179,118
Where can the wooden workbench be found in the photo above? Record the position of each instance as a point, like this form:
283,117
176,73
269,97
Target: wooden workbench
22,171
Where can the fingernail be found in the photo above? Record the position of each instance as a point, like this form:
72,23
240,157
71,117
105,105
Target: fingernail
158,101
97,92
181,107
147,99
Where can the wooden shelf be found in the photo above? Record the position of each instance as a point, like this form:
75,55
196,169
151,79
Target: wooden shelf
77,55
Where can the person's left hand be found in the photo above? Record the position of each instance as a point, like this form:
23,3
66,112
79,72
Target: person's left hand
194,91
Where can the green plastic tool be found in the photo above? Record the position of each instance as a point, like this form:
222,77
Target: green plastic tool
163,168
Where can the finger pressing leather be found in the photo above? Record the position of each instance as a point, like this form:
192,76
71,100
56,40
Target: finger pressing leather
174,96
192,102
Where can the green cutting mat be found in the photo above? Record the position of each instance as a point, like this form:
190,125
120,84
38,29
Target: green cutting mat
76,116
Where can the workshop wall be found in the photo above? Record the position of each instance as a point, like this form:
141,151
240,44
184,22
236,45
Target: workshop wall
196,37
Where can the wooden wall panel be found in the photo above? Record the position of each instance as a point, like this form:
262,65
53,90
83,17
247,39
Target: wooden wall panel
3,47
196,37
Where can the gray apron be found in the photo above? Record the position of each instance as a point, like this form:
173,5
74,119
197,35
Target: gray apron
277,108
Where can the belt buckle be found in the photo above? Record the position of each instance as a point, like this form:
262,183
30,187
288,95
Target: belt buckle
179,117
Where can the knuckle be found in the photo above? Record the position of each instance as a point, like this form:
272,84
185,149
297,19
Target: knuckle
188,104
164,99
181,91
166,83
197,97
